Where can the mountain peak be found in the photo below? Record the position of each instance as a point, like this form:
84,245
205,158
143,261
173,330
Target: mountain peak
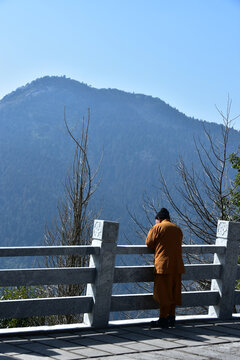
46,83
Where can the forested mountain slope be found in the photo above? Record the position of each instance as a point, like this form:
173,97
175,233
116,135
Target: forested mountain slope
138,134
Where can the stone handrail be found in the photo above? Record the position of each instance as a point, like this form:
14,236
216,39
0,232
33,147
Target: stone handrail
102,273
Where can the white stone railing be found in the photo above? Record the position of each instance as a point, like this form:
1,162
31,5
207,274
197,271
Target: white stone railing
102,274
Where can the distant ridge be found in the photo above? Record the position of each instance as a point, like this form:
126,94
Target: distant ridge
68,83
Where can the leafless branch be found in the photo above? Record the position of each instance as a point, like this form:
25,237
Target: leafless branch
74,222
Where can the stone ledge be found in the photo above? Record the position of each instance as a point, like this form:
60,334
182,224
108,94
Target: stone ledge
116,323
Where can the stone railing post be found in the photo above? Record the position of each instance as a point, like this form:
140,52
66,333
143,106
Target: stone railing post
228,234
105,235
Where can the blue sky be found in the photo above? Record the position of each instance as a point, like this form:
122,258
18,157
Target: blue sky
186,52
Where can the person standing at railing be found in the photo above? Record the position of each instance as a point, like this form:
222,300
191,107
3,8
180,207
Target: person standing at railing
166,240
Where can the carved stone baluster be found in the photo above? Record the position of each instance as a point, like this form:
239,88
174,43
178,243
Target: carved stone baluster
228,235
105,234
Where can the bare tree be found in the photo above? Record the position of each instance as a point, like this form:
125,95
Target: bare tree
205,193
74,222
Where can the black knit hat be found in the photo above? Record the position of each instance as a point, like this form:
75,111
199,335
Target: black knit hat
162,214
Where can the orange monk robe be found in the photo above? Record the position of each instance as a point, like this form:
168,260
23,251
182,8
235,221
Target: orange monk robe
166,240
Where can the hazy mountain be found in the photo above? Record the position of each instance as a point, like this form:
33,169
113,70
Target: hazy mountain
138,133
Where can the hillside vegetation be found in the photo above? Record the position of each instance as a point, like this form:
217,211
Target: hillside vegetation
138,134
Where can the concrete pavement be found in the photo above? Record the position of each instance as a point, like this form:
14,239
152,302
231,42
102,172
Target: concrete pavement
195,340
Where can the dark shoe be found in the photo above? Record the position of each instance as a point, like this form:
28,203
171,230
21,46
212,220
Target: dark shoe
162,323
171,320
